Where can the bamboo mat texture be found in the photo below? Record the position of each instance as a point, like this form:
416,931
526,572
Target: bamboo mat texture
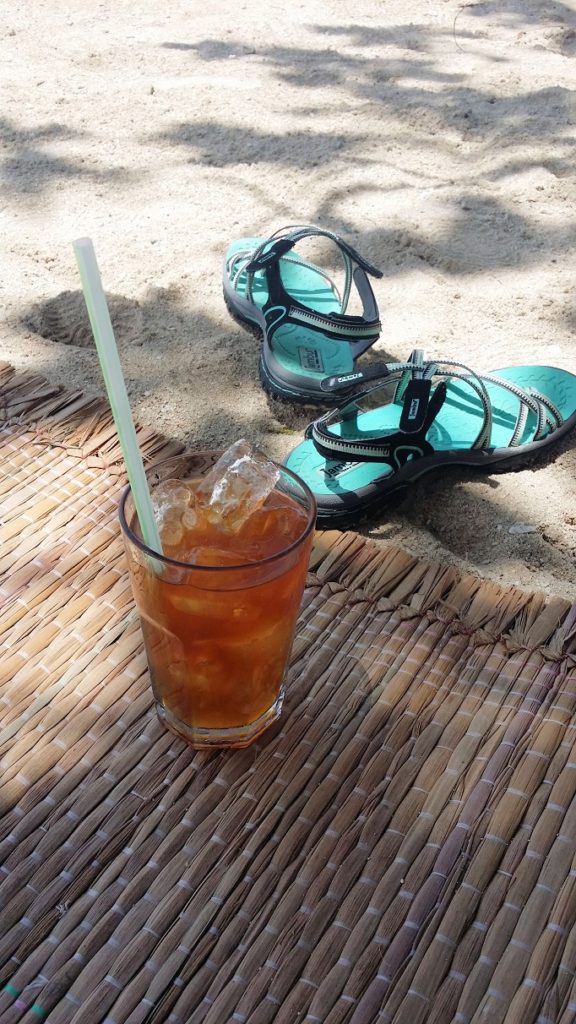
399,848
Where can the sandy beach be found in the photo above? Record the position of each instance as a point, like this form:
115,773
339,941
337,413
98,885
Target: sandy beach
438,138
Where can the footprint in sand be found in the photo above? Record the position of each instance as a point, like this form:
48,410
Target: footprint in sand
64,319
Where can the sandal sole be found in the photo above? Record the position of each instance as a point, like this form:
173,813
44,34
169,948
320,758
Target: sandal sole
369,508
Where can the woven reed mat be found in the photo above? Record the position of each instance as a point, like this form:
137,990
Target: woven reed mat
400,848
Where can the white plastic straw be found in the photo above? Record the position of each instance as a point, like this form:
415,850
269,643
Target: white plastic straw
114,380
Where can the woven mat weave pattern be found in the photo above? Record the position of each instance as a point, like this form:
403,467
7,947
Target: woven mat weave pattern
400,847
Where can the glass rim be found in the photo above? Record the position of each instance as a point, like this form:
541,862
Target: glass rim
166,560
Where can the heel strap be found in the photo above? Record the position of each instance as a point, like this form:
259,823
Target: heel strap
360,331
279,244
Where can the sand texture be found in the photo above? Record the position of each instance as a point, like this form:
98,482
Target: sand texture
438,137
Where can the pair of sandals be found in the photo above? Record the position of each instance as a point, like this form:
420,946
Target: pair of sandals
388,423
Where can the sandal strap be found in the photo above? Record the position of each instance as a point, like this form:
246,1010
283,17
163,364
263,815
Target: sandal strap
348,382
395,448
285,238
421,403
548,416
339,326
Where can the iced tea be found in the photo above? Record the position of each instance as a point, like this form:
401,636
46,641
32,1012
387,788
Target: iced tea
219,609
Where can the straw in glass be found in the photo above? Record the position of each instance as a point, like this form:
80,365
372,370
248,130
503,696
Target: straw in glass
116,388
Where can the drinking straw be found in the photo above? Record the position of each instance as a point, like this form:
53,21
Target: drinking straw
116,388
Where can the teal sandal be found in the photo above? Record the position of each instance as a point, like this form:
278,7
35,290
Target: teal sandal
422,416
306,331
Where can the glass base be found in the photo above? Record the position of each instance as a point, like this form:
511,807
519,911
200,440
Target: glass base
212,739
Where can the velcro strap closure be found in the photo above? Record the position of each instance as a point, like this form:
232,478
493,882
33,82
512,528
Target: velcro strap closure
394,448
415,407
433,405
278,248
283,245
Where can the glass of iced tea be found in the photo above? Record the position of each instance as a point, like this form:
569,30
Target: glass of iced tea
219,605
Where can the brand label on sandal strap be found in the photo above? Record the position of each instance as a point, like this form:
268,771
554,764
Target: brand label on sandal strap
415,407
310,359
333,470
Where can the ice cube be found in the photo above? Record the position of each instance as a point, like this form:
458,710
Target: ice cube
236,486
175,493
189,518
170,526
171,534
170,501
278,522
169,495
215,558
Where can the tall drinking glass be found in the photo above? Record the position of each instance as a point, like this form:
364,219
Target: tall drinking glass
218,627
